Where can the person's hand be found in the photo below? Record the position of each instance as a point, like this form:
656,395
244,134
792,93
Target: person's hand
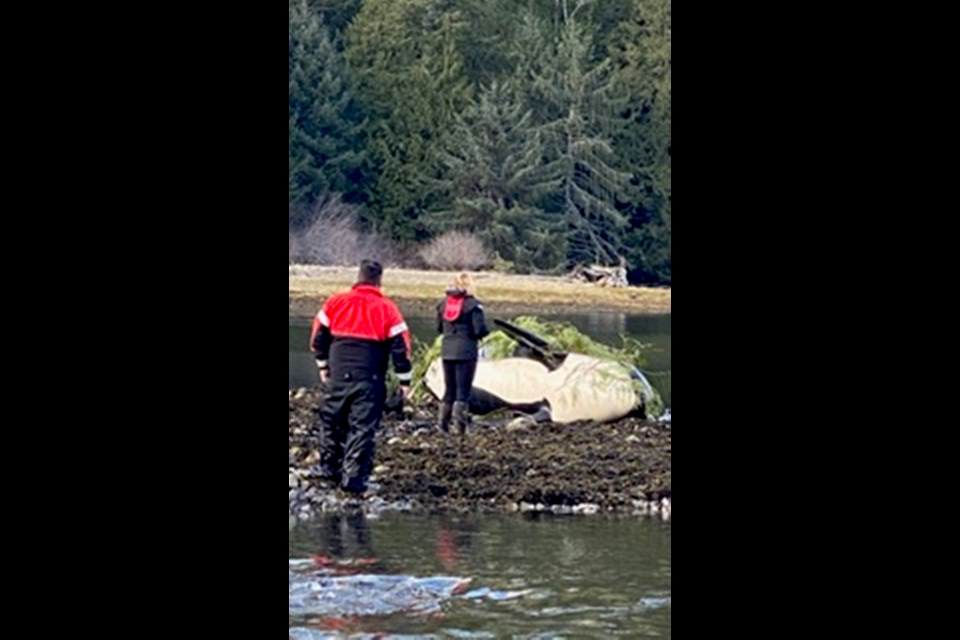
403,390
324,375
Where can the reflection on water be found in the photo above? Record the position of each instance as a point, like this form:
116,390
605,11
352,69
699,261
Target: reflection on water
490,575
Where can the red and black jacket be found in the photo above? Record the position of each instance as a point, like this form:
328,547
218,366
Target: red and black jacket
460,320
357,331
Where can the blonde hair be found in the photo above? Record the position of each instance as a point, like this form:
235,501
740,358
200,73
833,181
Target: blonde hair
464,281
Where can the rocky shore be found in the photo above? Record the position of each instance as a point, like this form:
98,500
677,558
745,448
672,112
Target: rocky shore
499,465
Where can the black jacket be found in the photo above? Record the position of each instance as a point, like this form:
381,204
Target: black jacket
461,336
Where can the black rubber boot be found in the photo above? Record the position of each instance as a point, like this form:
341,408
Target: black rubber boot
461,416
443,420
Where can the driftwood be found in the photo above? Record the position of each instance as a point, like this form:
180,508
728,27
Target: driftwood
601,276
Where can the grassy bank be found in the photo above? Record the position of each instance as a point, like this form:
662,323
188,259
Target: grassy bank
310,286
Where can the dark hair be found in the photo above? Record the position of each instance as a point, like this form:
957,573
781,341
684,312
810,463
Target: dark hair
370,272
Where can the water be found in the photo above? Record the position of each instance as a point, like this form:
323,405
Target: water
528,577
518,576
604,326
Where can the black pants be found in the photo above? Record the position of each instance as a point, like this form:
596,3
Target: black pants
458,380
346,536
349,419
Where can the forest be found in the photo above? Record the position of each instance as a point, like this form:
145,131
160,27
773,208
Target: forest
524,136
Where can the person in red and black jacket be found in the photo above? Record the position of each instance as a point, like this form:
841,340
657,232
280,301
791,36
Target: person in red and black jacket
460,320
354,336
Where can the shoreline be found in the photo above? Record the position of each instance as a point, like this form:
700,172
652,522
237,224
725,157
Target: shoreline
419,291
621,467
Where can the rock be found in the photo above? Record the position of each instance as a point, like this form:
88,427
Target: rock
665,508
520,424
587,508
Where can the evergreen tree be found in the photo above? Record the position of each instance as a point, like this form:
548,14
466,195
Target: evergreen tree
411,78
579,99
494,176
642,56
325,128
336,14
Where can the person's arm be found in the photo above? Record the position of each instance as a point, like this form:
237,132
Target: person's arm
320,341
401,360
480,330
401,348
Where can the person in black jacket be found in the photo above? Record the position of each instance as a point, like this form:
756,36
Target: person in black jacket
460,320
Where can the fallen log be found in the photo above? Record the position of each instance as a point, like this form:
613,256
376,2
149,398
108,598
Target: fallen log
600,275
